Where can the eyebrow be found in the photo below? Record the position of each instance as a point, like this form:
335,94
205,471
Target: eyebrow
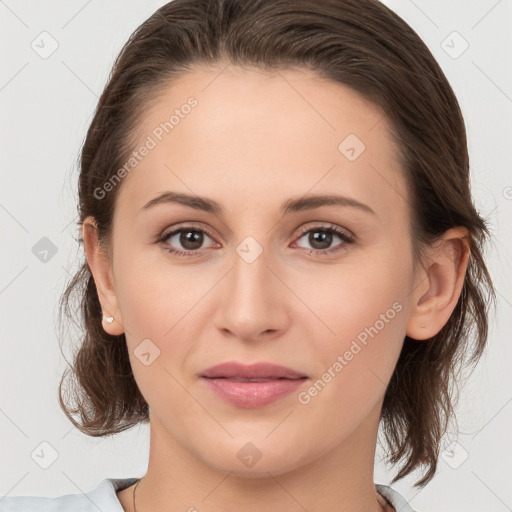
291,205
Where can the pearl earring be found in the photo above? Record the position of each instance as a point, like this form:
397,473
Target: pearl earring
109,319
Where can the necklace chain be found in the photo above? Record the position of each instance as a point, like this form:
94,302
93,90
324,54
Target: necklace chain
385,506
134,489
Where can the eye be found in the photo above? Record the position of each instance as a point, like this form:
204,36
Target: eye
321,237
189,238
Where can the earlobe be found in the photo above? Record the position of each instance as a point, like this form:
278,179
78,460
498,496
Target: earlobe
102,273
439,285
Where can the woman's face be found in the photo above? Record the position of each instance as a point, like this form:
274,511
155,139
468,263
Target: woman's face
263,279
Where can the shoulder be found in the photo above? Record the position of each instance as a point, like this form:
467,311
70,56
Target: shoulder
395,498
103,497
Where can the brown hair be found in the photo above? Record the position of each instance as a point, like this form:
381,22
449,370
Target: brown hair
365,46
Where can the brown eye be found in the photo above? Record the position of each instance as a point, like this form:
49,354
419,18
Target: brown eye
321,239
185,241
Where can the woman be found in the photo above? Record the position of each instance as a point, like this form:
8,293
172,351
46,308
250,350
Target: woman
282,254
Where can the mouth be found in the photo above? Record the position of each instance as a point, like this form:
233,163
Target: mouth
254,385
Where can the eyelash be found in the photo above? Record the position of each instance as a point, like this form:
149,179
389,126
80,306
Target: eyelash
347,239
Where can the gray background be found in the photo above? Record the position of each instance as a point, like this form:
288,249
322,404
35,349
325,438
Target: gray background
47,104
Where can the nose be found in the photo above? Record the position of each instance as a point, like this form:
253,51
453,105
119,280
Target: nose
253,302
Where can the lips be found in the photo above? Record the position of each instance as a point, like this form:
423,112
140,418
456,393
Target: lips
259,372
251,386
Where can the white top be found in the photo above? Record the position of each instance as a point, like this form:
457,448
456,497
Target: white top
104,498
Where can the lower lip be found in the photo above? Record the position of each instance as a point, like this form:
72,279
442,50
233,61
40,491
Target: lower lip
253,394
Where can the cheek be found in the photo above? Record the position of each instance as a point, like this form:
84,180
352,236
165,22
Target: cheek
355,363
359,324
157,298
166,306
160,320
347,299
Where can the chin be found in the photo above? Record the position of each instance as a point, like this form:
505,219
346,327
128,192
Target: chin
250,460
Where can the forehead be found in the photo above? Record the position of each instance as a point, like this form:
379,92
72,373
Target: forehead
235,133
260,101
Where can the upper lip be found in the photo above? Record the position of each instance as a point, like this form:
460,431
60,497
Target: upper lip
258,370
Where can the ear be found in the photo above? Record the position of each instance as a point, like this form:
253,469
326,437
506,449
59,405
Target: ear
101,269
439,284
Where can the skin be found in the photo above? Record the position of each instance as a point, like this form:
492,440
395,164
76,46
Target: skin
255,140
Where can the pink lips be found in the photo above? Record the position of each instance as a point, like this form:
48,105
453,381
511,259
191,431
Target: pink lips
253,385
